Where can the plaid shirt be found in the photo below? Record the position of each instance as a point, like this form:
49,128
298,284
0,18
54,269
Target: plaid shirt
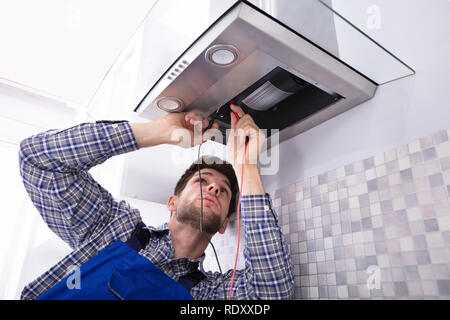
54,166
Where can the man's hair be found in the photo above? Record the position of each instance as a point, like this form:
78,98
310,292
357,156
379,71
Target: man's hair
217,164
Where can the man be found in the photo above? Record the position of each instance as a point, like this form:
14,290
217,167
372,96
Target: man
101,230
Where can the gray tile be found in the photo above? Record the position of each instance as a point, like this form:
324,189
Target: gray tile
392,166
356,226
431,225
369,163
406,175
371,260
401,289
327,231
412,273
346,227
436,180
293,227
366,223
323,178
316,201
338,253
411,200
332,292
365,212
396,259
304,270
353,291
310,245
372,185
446,238
378,234
343,204
386,206
292,210
319,244
383,182
360,263
292,197
321,267
443,287
445,164
325,209
429,154
388,219
349,170
380,247
341,278
342,183
376,293
364,200
403,230
416,158
337,241
323,292
401,218
309,224
422,257
284,199
419,241
385,194
301,235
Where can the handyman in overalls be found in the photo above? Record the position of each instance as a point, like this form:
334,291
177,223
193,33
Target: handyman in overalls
117,256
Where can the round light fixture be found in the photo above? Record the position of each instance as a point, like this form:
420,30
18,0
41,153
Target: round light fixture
222,55
170,104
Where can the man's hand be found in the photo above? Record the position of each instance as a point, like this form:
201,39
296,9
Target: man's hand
242,130
236,146
174,128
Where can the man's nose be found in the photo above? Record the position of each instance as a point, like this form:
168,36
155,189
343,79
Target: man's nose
213,188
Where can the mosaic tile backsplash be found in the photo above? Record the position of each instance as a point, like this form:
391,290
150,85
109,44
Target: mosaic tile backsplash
375,229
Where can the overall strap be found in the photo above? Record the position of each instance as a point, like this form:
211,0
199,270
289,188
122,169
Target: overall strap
139,240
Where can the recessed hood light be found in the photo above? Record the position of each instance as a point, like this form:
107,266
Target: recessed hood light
170,104
222,55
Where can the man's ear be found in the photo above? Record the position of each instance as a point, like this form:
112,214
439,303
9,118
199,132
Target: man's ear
172,203
224,226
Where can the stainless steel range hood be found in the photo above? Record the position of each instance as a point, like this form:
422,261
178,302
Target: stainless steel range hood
258,58
281,79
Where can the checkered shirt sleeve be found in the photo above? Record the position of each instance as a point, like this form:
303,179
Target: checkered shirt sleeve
54,167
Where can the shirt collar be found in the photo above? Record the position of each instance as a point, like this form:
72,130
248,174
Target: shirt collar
164,231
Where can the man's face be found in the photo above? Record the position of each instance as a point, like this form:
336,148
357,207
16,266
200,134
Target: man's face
216,201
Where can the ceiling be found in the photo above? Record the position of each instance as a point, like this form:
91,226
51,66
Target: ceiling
63,48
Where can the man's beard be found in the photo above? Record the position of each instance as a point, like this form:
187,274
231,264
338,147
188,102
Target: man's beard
190,214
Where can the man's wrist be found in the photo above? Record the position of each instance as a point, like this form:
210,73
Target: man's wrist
149,134
252,183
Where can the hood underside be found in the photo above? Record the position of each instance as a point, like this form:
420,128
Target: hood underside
281,79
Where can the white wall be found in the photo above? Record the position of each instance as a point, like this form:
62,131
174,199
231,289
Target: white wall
417,32
22,114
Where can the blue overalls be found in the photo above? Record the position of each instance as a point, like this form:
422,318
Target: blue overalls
119,272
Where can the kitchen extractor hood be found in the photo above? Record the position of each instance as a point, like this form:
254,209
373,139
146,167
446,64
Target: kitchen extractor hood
259,58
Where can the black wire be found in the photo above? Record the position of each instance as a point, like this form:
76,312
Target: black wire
201,223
